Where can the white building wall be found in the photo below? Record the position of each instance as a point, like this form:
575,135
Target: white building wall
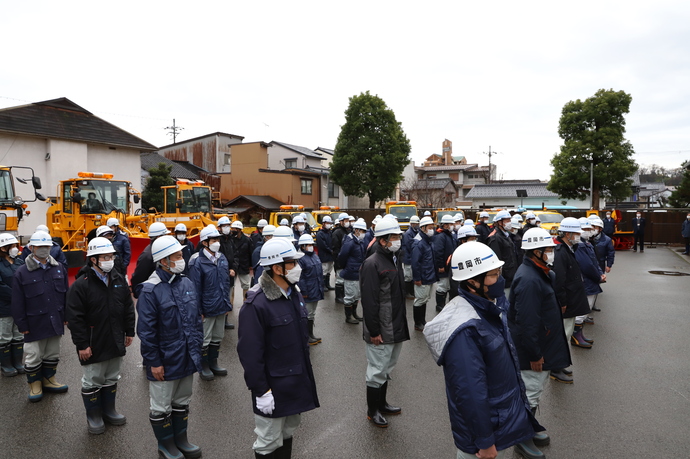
278,153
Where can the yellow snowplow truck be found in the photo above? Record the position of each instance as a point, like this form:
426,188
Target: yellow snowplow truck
403,210
13,206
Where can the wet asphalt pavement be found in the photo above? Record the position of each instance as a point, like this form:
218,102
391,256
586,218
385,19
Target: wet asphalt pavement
631,396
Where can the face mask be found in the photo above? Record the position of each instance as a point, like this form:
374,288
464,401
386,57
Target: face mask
395,246
531,221
595,232
457,227
235,233
360,236
327,226
346,224
15,251
300,228
639,215
584,235
514,230
508,226
226,230
688,217
177,266
107,266
550,258
215,247
608,215
293,275
41,252
430,232
496,290
181,237
309,248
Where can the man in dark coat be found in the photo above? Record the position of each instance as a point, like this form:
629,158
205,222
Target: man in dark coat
324,239
100,316
535,319
350,258
489,411
424,273
482,228
609,224
11,340
257,236
569,288
120,241
145,264
342,229
385,323
502,244
39,291
172,335
444,243
55,249
407,239
188,248
638,225
685,232
273,350
311,283
227,247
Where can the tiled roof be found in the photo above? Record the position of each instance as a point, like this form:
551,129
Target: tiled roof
267,202
457,167
63,119
301,150
152,160
508,190
432,184
328,151
182,142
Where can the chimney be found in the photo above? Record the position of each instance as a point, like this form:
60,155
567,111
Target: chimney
447,152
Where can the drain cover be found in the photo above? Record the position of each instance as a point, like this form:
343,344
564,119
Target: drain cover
669,273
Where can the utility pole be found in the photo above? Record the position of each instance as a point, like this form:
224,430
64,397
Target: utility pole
490,153
173,130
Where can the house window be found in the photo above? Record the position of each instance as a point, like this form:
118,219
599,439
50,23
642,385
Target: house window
306,186
431,176
291,163
226,162
333,190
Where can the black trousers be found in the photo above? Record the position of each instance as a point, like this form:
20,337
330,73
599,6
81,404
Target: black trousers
639,237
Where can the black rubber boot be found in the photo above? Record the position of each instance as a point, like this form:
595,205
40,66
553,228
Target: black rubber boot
228,325
312,339
163,430
49,369
348,315
6,366
354,311
419,314
265,456
285,451
213,352
327,282
340,293
440,301
18,355
529,450
540,438
384,407
409,289
205,373
94,417
180,418
373,400
110,414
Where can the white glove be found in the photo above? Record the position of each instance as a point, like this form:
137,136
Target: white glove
265,403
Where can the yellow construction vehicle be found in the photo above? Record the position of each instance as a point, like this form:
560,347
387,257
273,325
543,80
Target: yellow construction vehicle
331,211
439,213
288,212
403,210
12,206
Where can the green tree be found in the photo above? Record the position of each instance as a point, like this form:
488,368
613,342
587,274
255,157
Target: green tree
152,195
593,131
372,150
681,196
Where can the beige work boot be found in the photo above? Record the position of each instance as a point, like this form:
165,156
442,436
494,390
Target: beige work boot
35,391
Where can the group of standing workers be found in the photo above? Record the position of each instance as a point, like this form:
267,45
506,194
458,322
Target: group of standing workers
518,296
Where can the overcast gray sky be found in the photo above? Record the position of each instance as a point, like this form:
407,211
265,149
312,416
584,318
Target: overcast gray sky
478,73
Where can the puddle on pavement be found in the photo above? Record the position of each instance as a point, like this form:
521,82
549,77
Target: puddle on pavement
669,273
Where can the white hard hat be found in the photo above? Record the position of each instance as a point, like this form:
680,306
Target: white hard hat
261,223
426,221
276,251
180,228
327,219
427,213
483,214
101,230
592,216
458,217
530,216
40,239
447,219
297,219
351,218
303,215
585,223
535,238
472,259
158,229
237,224
113,222
360,224
376,220
7,239
570,225
414,219
390,216
284,232
517,218
343,216
597,222
467,231
209,231
268,230
305,239
43,228
501,215
223,221
387,226
469,223
99,246
163,247
284,222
